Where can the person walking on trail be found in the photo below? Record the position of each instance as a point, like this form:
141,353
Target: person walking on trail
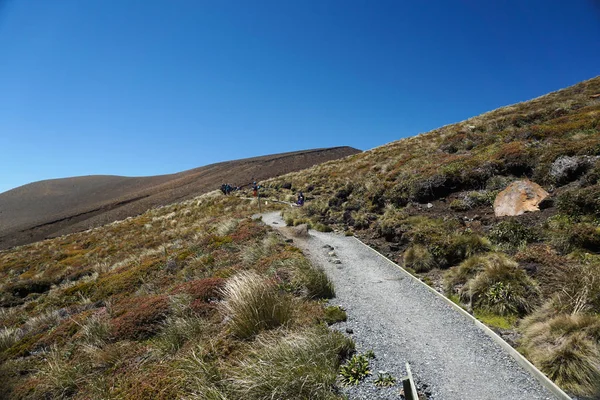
300,201
255,188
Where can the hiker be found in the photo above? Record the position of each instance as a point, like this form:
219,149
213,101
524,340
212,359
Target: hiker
300,201
224,188
255,188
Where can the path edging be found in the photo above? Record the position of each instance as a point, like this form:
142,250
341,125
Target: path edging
518,357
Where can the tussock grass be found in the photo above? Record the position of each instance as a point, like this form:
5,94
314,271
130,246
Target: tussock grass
503,288
566,348
9,336
312,280
419,258
179,330
59,378
494,283
96,331
253,304
202,378
300,365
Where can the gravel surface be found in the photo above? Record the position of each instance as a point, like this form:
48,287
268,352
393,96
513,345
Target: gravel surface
401,321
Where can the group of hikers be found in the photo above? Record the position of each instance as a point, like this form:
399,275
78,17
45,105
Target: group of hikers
226,189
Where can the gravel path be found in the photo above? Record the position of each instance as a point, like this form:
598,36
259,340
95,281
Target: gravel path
400,320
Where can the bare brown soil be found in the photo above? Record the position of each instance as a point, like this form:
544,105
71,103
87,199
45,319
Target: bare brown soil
56,207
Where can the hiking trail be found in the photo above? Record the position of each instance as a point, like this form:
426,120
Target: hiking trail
401,320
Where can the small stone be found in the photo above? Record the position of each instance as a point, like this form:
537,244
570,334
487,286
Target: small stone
331,254
336,261
349,331
429,205
289,240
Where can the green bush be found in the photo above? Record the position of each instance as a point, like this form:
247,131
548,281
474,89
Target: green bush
254,304
567,235
512,234
297,366
581,201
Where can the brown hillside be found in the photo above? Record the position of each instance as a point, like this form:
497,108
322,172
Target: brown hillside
59,206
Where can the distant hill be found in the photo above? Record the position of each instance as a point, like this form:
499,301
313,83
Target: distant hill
59,206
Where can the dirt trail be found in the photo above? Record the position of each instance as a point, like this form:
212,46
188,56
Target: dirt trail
400,320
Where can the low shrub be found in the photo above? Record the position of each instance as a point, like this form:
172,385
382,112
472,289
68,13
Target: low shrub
299,365
459,205
254,304
511,234
202,289
567,235
580,201
142,320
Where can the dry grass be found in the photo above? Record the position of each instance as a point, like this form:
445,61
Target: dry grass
253,304
299,365
566,348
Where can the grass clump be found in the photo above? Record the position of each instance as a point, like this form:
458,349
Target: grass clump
334,314
8,337
254,304
315,282
300,365
419,258
355,370
503,288
566,348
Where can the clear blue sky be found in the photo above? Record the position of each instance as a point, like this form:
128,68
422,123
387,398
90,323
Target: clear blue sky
149,87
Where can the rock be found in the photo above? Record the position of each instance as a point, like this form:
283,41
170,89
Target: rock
331,254
336,261
566,169
289,240
429,205
518,198
300,230
349,331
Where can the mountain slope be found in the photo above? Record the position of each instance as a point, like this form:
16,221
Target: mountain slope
426,202
59,206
